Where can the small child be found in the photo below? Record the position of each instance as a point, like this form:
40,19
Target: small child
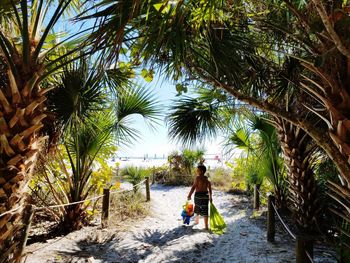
202,196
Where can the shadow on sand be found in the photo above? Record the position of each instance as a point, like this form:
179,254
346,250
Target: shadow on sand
189,245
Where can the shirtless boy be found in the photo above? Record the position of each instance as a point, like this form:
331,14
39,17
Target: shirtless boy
202,196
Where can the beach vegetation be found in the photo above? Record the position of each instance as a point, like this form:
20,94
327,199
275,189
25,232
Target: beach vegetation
134,175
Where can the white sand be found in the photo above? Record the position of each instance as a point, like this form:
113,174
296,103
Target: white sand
162,238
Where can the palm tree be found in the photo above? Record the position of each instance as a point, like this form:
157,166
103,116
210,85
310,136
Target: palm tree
134,175
257,137
82,146
30,55
93,123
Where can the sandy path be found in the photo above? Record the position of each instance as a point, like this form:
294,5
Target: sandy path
162,238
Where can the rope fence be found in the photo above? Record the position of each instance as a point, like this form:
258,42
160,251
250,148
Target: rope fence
283,223
105,205
74,203
309,257
303,245
279,217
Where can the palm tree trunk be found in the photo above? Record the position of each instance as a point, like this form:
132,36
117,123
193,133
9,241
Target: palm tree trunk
21,115
74,218
297,148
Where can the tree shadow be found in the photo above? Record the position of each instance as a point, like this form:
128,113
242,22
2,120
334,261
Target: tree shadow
91,248
143,245
156,237
244,241
149,245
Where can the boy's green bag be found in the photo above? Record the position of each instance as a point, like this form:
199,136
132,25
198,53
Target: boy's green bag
217,223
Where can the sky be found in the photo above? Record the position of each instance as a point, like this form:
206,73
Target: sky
156,142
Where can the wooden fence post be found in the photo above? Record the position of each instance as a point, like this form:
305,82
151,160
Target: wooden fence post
270,219
27,221
256,197
148,192
105,208
153,175
303,246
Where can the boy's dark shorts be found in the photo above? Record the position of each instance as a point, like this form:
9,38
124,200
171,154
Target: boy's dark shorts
201,203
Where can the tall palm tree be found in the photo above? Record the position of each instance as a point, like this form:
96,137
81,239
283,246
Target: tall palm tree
30,55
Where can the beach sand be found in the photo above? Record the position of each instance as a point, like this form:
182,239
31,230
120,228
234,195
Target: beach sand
161,237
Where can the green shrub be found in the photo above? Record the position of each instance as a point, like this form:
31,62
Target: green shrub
239,174
134,175
184,163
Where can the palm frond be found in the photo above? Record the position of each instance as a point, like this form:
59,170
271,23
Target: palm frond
79,93
124,132
112,25
240,139
134,175
192,120
86,139
138,100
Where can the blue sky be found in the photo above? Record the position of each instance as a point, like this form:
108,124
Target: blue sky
156,142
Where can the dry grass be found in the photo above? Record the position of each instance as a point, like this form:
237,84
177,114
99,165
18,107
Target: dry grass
221,179
128,206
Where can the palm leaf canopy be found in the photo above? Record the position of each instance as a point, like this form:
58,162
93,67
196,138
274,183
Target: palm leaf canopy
192,120
240,138
217,46
266,131
113,25
82,89
33,25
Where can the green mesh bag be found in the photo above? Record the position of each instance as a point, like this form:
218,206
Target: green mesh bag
217,223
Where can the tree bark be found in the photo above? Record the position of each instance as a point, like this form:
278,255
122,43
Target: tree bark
329,27
297,149
22,112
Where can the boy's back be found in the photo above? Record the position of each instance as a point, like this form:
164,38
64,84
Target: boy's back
202,183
